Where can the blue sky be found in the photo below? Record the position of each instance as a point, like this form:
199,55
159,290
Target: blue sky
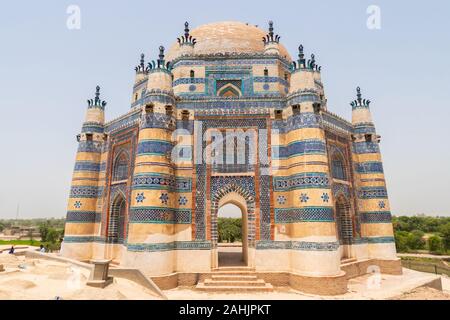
47,72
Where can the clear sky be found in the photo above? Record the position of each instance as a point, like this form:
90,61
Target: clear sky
48,71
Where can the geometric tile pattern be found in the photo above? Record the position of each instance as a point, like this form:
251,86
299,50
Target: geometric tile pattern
372,192
301,181
160,215
306,214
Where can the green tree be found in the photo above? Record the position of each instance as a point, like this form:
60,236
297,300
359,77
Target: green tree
401,241
415,241
435,244
43,230
445,232
2,227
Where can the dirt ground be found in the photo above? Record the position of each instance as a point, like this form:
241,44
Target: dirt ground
26,278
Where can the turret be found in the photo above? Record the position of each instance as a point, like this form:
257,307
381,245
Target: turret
363,126
152,211
372,198
83,213
271,41
141,70
186,41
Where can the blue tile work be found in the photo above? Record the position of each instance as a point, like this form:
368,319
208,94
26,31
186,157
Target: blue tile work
281,199
83,217
162,182
304,198
247,183
176,245
164,198
297,245
188,81
200,169
90,146
325,197
299,148
301,181
160,215
84,192
92,127
363,128
374,240
306,214
155,120
365,147
87,166
154,147
369,167
340,189
372,193
376,217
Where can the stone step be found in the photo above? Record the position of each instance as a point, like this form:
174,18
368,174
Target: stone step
236,268
234,289
231,273
235,283
233,277
348,260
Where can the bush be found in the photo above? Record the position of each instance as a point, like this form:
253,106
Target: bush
415,240
445,232
435,244
401,241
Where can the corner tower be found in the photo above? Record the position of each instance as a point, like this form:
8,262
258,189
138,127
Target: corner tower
152,215
83,211
372,198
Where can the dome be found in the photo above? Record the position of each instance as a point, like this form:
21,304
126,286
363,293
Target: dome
227,37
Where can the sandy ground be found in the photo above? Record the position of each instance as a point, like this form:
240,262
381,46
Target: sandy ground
45,279
362,288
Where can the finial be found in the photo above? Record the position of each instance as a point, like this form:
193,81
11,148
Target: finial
141,67
300,52
359,102
271,28
186,29
271,37
186,38
96,102
160,62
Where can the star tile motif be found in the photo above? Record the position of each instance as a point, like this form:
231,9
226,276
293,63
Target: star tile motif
325,197
182,200
77,204
140,197
164,198
281,199
304,197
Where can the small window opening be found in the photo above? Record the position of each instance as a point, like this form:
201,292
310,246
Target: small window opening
296,109
169,110
192,74
136,96
278,114
89,136
266,72
316,107
149,108
286,77
185,115
368,137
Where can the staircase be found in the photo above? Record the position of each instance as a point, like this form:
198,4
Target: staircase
234,279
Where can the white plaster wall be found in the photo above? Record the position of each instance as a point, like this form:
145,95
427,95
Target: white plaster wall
77,251
316,263
193,260
384,251
272,260
152,263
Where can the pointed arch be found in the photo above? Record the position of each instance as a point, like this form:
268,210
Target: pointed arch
229,91
338,165
116,221
121,166
344,219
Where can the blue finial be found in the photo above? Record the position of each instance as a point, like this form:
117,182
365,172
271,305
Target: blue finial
271,37
359,102
96,102
186,38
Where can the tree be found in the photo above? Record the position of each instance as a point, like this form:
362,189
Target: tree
52,236
43,230
401,240
435,244
2,227
445,232
415,240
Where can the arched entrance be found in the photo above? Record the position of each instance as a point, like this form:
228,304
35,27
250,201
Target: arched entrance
344,226
231,235
240,198
116,224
